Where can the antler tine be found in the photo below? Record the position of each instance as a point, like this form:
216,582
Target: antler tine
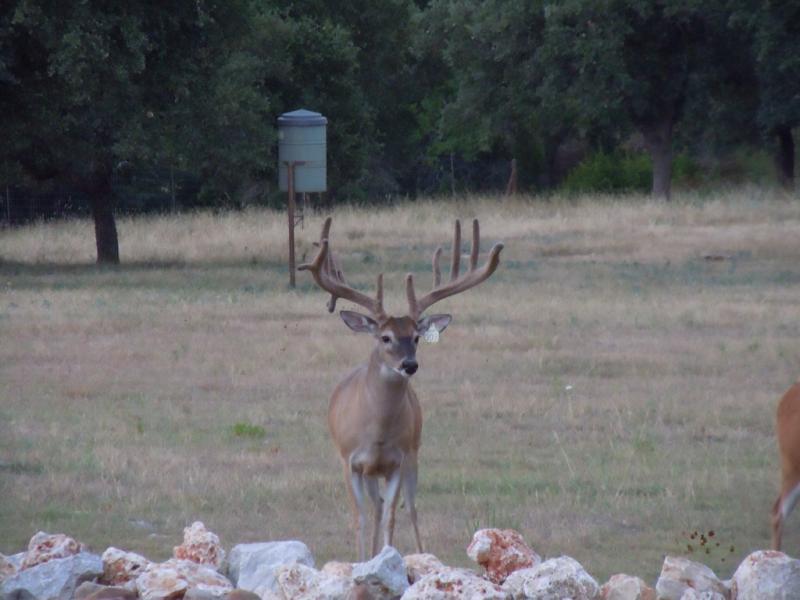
330,264
326,228
456,285
413,307
330,278
437,272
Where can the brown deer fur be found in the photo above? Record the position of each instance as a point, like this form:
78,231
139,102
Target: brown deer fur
374,415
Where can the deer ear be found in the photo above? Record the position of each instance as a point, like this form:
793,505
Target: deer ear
438,322
358,322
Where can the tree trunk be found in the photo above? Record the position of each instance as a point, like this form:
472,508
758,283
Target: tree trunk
784,160
101,202
658,140
512,185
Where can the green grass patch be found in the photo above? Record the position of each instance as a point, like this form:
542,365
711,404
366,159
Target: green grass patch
248,431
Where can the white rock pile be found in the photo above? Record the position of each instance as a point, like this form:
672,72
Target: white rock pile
57,567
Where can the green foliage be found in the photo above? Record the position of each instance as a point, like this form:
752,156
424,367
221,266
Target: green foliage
195,87
775,27
489,99
610,173
685,169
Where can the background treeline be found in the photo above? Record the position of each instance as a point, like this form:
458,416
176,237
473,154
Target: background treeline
151,104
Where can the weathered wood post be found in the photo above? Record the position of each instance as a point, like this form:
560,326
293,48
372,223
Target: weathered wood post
302,164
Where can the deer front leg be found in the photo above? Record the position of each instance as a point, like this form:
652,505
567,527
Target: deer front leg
373,490
409,493
393,482
790,495
356,486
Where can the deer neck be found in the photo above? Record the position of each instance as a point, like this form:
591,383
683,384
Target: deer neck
386,388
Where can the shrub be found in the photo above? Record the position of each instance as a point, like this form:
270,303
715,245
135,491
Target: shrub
615,172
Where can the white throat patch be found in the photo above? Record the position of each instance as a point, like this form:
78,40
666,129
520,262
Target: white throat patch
388,372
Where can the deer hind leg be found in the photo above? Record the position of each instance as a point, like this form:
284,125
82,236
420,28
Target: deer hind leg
409,493
781,511
373,490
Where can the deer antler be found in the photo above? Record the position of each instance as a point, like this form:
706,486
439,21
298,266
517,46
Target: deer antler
457,284
331,279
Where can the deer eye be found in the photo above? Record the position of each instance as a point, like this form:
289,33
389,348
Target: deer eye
386,339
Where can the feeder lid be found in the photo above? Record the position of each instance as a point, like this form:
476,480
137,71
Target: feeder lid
301,118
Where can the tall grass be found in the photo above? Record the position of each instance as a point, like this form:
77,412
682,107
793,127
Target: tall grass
610,389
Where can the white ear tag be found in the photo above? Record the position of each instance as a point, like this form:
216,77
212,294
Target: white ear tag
432,335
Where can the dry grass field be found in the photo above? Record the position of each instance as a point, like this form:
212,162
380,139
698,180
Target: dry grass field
608,392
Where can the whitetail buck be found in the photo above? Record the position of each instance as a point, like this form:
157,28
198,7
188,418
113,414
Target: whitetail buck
374,416
787,428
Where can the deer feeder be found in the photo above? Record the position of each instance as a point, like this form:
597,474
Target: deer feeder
302,164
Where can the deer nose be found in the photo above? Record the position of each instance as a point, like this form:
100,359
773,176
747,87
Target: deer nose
410,366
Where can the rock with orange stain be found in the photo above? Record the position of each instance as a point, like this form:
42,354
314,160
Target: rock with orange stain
501,552
626,587
765,575
121,568
454,584
334,567
200,546
44,547
420,565
301,582
173,578
692,594
7,567
561,577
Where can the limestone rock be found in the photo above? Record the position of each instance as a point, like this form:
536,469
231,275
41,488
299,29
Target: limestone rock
679,574
175,577
342,569
7,568
767,575
54,579
95,591
238,594
121,568
16,559
384,575
47,546
553,579
692,594
200,546
300,582
454,584
252,567
501,552
419,565
626,587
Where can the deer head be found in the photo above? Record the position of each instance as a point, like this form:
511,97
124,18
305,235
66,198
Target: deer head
396,338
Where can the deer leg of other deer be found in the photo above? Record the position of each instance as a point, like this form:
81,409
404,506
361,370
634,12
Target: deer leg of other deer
777,524
783,507
392,494
377,505
409,492
356,485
